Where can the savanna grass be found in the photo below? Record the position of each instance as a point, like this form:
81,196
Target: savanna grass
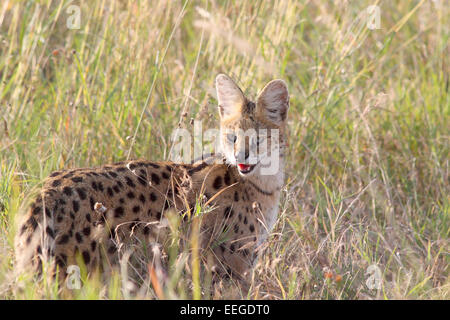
368,170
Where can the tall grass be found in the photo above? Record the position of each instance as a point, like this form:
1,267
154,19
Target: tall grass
368,170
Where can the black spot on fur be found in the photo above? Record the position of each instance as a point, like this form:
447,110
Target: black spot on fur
131,195
37,210
227,178
76,206
116,189
77,179
86,257
106,175
252,228
92,203
48,212
165,175
217,183
155,178
63,258
130,182
245,220
136,209
78,237
32,223
88,217
82,193
142,180
68,175
56,183
113,174
110,191
50,232
94,186
64,239
132,166
118,212
50,192
236,196
154,165
100,186
142,198
93,245
67,191
132,225
153,197
56,173
197,168
87,231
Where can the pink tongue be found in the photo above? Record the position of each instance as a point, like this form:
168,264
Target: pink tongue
244,167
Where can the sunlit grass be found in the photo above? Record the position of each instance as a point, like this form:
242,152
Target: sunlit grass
367,173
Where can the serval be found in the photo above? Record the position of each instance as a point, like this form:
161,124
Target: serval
92,214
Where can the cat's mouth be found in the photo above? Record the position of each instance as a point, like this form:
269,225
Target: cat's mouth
245,168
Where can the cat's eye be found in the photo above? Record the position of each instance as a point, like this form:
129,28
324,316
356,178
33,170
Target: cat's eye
231,137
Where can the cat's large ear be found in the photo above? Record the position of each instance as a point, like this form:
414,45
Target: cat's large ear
273,102
230,96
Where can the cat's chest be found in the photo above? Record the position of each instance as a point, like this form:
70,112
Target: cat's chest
269,211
